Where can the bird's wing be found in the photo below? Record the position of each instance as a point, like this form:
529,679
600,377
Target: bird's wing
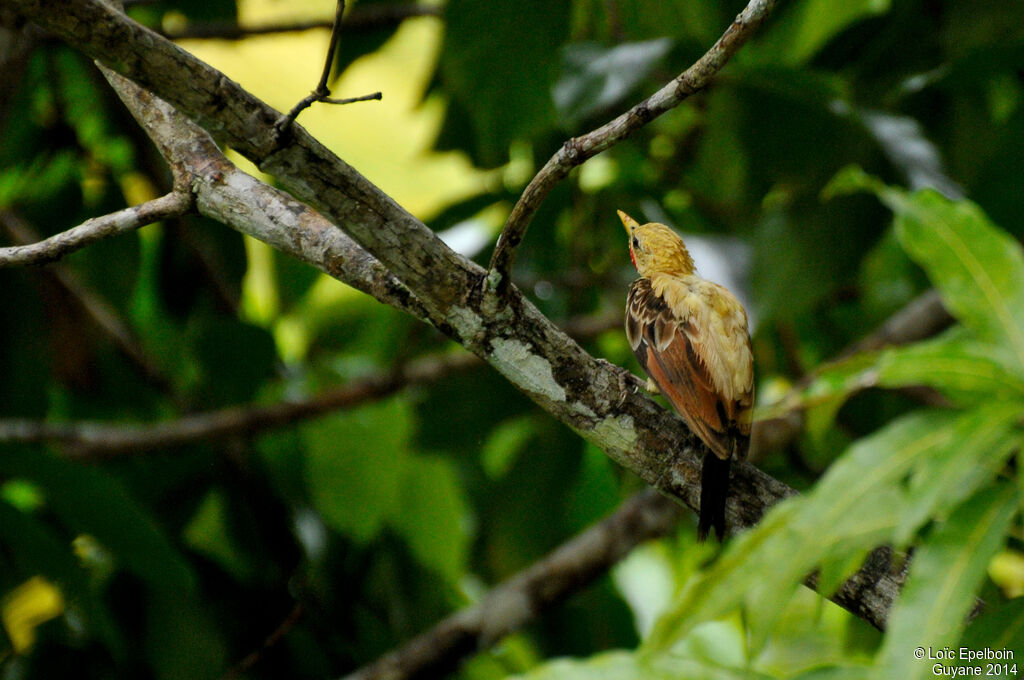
671,351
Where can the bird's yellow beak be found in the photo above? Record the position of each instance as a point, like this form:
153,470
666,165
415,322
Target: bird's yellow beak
628,222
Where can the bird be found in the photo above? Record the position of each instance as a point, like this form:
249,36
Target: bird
691,337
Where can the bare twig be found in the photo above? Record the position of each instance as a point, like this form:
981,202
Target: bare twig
174,204
85,440
518,600
578,149
361,18
106,318
322,93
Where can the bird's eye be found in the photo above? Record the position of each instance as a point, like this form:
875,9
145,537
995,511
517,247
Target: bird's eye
636,242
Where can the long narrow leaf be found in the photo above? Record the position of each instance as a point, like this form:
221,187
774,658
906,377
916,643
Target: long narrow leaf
946,480
999,627
978,268
857,503
862,502
944,576
964,370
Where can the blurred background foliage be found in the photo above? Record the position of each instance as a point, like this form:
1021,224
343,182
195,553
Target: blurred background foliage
360,528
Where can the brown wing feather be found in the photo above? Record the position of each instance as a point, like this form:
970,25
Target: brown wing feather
670,352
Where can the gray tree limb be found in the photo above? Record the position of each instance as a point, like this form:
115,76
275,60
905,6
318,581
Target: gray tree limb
174,204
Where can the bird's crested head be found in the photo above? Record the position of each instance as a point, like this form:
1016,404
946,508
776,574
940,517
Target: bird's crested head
656,249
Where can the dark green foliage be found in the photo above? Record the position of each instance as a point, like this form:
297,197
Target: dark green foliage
816,163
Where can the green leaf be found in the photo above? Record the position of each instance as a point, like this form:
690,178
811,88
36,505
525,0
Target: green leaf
355,464
859,504
985,439
90,502
208,533
504,444
966,371
595,77
945,574
721,588
434,516
798,34
978,268
999,626
608,666
499,61
812,633
963,369
618,665
843,503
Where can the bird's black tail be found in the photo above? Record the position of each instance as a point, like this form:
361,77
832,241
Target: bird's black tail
714,487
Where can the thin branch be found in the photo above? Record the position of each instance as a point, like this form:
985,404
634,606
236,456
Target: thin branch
85,440
92,440
375,96
101,312
361,18
174,204
516,601
578,149
406,246
322,93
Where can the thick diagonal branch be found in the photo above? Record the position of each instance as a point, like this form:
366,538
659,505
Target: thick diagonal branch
578,149
232,197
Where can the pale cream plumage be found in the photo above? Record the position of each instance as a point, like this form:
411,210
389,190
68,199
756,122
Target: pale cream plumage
690,335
